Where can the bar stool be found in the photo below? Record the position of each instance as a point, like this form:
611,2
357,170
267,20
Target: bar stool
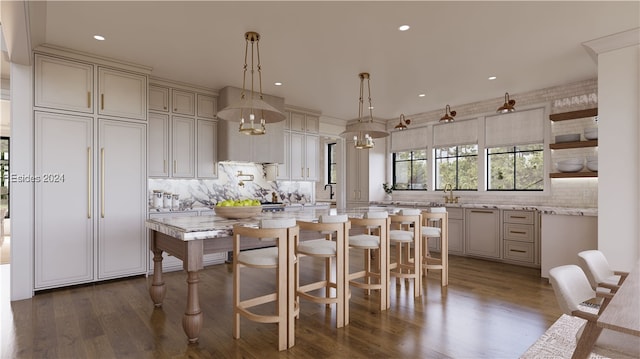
436,225
284,233
332,227
408,222
378,244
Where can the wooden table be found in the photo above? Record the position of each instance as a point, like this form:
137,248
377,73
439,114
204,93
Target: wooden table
622,313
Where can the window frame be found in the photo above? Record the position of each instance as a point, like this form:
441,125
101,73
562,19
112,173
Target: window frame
411,161
331,161
515,153
457,158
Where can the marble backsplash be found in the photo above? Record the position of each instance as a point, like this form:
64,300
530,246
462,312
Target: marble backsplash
205,193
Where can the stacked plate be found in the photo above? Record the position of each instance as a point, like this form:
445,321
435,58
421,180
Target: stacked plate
591,133
570,165
592,163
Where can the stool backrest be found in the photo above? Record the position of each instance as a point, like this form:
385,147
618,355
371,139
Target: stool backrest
570,286
333,219
277,223
409,211
595,266
376,214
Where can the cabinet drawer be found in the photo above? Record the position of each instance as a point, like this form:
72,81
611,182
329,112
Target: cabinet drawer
524,217
519,251
518,232
455,212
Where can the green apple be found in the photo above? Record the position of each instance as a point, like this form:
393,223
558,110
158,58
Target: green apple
255,202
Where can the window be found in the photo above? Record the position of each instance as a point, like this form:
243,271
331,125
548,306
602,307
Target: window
515,168
410,170
458,166
332,165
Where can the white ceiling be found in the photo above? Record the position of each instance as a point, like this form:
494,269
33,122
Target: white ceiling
317,49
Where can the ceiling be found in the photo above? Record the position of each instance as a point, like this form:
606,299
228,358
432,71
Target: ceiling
317,49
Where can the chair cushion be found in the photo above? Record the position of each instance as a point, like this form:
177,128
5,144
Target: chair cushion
376,214
410,211
400,236
318,247
364,241
277,223
259,257
437,209
333,219
431,231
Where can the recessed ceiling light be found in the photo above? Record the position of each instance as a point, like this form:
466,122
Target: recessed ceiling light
492,77
278,83
422,95
404,27
98,37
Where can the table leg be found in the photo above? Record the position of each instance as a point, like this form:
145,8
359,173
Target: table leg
158,289
192,319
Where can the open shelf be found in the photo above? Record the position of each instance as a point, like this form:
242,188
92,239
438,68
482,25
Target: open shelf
574,114
573,174
573,144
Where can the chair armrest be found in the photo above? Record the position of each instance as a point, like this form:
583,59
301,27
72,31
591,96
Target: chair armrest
623,276
585,315
614,288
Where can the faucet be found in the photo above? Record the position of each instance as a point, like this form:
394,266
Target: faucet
450,198
331,189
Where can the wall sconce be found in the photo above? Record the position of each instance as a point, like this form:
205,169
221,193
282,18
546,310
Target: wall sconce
448,115
508,105
403,123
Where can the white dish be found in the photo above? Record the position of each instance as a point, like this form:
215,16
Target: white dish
570,165
592,165
568,138
591,133
572,161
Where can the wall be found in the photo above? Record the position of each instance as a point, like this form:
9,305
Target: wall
579,192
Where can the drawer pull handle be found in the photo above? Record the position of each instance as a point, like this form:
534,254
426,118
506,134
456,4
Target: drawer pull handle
519,217
89,99
518,250
102,101
476,211
518,232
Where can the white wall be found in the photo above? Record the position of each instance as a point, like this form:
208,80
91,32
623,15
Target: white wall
619,164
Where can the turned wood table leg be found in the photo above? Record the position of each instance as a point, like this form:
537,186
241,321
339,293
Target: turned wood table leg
157,289
192,319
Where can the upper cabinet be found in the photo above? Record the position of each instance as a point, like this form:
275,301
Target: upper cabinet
63,84
183,102
207,106
122,94
302,122
158,98
303,146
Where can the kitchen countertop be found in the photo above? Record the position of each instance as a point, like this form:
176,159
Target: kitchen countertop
542,209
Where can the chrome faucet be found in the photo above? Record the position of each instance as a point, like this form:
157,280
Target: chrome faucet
331,194
450,198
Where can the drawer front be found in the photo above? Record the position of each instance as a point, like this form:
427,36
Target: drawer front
519,251
524,217
455,212
518,232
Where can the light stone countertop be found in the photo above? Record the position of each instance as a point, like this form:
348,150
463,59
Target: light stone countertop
542,209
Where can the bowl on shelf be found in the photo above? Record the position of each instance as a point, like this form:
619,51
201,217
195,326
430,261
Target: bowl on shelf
238,212
592,163
591,133
568,138
570,165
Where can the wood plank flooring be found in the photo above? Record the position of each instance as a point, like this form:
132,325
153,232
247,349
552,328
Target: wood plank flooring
489,310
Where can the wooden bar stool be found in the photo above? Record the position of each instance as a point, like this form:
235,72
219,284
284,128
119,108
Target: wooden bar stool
405,233
332,227
375,240
284,233
436,225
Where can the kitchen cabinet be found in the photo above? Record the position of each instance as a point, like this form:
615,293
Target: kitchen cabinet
63,84
520,242
158,98
88,198
562,237
363,179
456,233
122,94
482,233
304,156
573,115
207,164
236,146
183,102
302,122
206,106
183,146
282,169
158,136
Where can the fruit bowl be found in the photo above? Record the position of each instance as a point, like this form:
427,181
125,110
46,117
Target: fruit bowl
238,212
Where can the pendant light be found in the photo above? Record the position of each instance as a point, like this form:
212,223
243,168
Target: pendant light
402,125
251,109
448,115
364,131
508,105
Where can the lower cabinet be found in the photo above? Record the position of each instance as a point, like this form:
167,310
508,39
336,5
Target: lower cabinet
90,199
482,237
519,237
456,233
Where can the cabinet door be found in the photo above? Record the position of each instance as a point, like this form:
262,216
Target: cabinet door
183,146
122,199
158,98
158,136
63,206
122,94
297,121
482,232
184,102
312,144
206,106
283,168
63,84
312,124
207,158
353,173
297,167
456,236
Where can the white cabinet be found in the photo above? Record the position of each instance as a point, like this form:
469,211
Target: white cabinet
122,248
562,237
64,215
183,102
456,232
122,94
520,237
158,98
482,235
63,84
304,156
183,146
90,200
207,106
283,172
207,165
158,139
302,122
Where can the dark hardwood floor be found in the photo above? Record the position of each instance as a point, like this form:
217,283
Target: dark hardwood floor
489,310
